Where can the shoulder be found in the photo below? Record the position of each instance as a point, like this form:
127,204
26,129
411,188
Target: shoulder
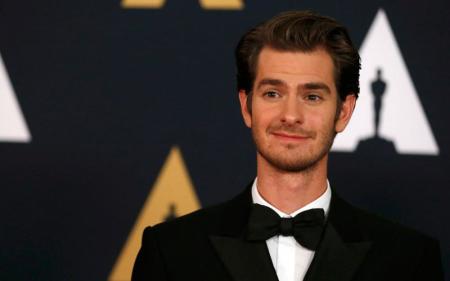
214,220
373,227
174,247
205,218
378,226
184,236
395,245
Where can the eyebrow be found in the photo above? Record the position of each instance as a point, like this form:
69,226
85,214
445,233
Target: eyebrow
306,86
270,82
315,86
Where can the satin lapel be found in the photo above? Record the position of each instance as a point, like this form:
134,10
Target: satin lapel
335,259
343,247
246,261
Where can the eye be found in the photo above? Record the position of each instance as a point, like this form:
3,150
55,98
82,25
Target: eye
271,94
313,98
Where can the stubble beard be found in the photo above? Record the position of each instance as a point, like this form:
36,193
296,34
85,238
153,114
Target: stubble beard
304,160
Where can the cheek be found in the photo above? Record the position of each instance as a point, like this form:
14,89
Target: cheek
264,116
260,123
322,121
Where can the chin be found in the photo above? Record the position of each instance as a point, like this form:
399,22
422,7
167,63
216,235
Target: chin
291,164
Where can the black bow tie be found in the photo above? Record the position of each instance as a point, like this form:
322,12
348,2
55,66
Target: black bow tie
306,227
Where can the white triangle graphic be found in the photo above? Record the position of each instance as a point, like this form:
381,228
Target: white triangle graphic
13,127
402,118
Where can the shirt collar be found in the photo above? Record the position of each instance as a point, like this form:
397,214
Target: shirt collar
323,202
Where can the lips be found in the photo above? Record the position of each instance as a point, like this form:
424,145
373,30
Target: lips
289,136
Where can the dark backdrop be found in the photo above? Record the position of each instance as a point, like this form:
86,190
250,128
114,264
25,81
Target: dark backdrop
107,91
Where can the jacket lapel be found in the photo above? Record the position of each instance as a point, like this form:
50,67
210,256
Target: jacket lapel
343,248
244,260
341,252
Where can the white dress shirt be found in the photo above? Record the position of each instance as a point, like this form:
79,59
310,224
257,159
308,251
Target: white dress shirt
290,259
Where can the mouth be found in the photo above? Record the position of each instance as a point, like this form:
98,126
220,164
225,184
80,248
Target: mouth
289,136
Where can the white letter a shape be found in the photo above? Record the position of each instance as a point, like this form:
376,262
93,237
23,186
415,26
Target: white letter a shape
389,107
13,127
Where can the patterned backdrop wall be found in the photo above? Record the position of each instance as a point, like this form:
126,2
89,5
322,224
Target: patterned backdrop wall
119,114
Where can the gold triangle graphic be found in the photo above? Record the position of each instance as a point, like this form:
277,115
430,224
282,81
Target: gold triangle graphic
172,195
143,4
205,4
222,4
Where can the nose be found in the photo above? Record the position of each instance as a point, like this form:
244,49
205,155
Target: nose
292,112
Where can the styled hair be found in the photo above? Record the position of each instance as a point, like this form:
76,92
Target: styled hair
300,31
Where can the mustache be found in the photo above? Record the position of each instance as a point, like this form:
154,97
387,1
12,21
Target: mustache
291,129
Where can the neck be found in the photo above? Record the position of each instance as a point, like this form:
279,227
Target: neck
289,191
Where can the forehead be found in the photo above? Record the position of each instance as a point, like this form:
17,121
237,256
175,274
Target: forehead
296,67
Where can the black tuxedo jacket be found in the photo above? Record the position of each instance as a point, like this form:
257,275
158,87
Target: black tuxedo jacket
209,245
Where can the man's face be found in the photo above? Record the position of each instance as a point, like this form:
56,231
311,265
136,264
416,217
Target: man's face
295,112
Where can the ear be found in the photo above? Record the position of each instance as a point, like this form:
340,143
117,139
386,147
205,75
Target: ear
243,99
347,107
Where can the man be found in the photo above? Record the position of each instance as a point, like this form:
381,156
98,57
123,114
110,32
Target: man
298,84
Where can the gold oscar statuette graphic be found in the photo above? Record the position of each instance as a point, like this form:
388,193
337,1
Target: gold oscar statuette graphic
172,195
205,4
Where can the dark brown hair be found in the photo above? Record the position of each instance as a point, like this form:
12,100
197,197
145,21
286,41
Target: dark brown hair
303,31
